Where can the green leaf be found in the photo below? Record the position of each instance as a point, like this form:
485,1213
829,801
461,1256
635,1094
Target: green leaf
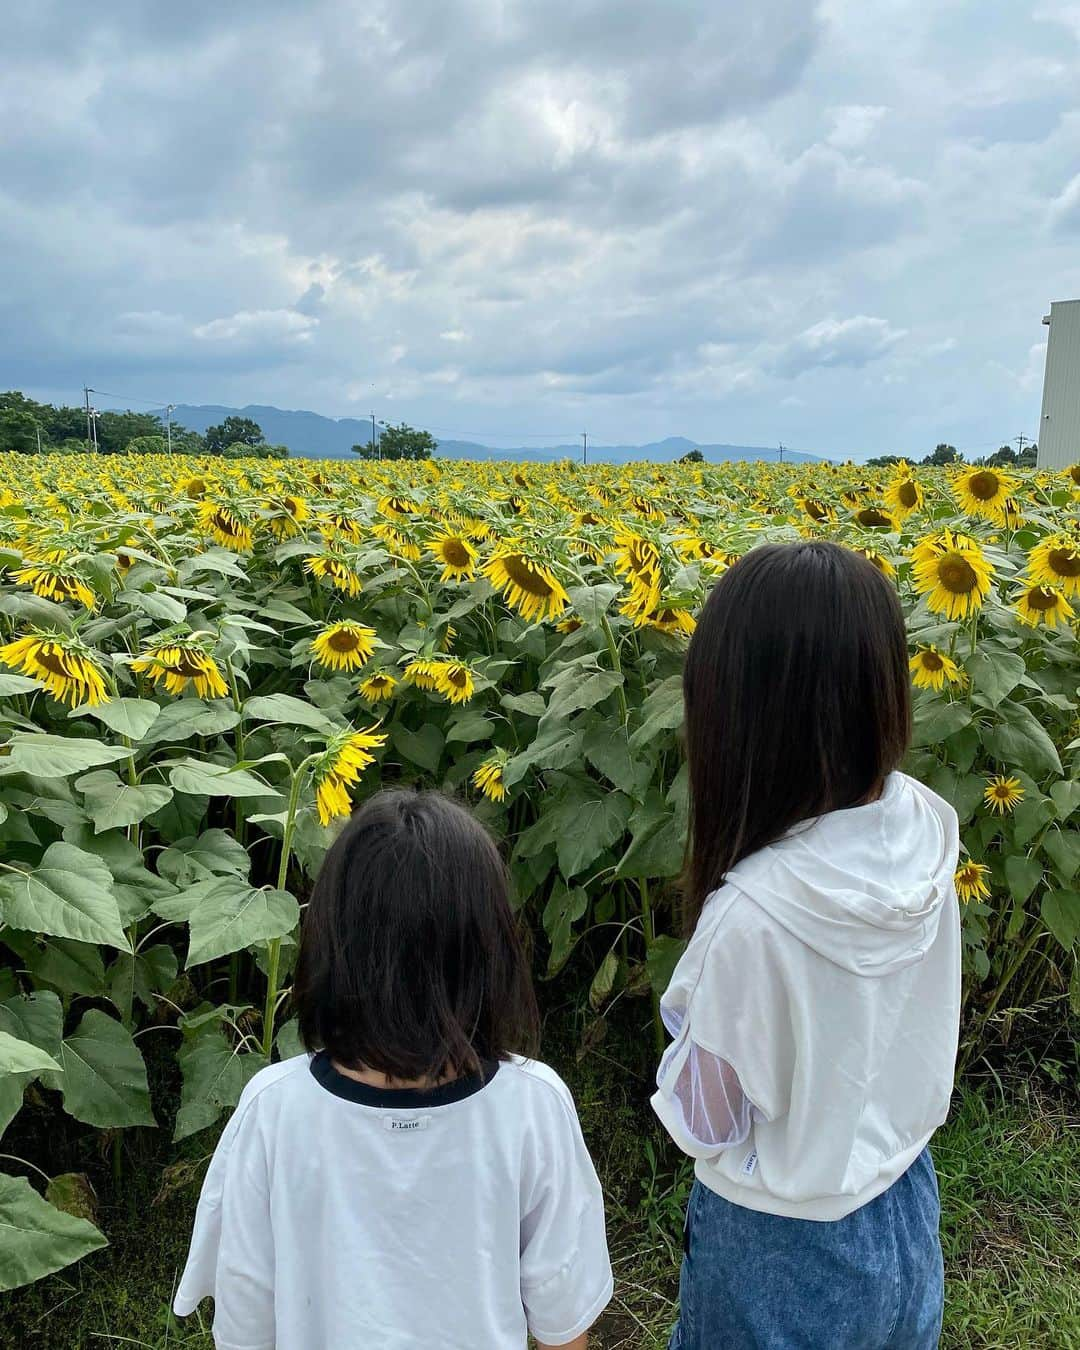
661,711
19,1056
936,720
189,717
585,825
47,756
994,673
213,853
1074,989
1022,875
661,959
1020,740
131,717
1029,817
591,603
36,1238
214,1075
204,778
17,684
576,691
71,1193
225,915
292,711
657,844
528,705
1066,795
104,1077
113,803
421,748
565,906
607,748
1063,849
60,963
39,612
155,604
603,981
554,748
151,971
288,614
68,894
1061,914
470,725
288,1041
37,1018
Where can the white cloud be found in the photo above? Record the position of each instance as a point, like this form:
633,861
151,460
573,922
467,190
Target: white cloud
854,124
258,326
839,342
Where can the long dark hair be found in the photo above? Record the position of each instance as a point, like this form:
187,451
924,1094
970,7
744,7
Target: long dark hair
410,961
798,700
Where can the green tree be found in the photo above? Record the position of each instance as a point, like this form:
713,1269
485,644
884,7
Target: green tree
883,461
233,431
146,445
944,454
692,457
400,442
19,430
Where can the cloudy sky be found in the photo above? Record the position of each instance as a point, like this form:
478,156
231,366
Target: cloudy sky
837,225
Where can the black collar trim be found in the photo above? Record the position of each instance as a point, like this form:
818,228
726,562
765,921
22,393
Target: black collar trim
327,1076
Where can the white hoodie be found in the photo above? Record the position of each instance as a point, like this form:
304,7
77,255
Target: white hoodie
816,1010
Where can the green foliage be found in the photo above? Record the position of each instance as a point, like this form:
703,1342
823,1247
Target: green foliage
399,442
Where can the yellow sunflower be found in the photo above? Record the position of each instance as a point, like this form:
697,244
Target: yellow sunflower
62,664
953,574
904,493
969,881
454,681
879,560
984,491
529,586
457,555
229,529
50,580
334,569
289,513
488,778
1044,605
377,687
1003,794
423,672
1055,561
670,620
346,758
344,646
178,664
932,669
874,518
398,542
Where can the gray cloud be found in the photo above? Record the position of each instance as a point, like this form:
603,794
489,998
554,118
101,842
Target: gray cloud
657,218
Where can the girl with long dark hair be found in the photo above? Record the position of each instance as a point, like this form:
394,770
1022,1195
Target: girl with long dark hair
815,1012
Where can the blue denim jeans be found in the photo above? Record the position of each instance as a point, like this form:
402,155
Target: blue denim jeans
870,1281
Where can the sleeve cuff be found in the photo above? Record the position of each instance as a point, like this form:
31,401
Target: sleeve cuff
562,1337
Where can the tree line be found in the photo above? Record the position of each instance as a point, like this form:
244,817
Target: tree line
948,454
28,427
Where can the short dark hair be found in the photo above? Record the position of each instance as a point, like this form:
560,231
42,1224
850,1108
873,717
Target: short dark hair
798,700
410,959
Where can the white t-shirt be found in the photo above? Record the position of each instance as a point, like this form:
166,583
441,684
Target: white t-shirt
337,1215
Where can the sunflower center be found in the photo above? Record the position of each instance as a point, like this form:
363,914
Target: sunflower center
908,494
956,574
815,510
52,662
458,676
224,522
343,641
589,518
871,516
520,572
931,661
1042,598
189,664
984,486
455,553
1064,561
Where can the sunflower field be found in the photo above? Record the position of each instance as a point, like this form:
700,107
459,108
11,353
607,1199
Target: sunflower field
204,665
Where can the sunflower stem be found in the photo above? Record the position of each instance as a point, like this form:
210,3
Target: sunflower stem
613,652
274,950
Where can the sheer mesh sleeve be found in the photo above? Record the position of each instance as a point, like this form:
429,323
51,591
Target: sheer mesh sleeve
700,1099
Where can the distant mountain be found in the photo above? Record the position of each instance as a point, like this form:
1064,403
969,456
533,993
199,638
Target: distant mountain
310,434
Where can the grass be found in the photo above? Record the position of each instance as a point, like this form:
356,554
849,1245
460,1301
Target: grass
1008,1162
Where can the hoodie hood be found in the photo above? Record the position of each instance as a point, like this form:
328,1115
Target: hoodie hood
864,887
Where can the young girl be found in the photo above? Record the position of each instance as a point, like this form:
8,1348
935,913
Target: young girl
411,1183
816,1009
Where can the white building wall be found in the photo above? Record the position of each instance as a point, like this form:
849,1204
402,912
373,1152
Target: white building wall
1059,427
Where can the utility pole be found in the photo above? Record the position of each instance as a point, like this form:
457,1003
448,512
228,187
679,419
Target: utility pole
1020,442
373,435
86,395
584,447
781,452
94,415
168,424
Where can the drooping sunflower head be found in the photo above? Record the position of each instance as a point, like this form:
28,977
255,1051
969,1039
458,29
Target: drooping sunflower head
377,687
529,585
178,664
1003,794
454,680
287,514
983,492
64,666
955,577
336,569
879,560
344,646
1055,561
670,619
488,778
1044,605
399,542
457,555
970,881
54,581
931,669
423,672
225,525
874,518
